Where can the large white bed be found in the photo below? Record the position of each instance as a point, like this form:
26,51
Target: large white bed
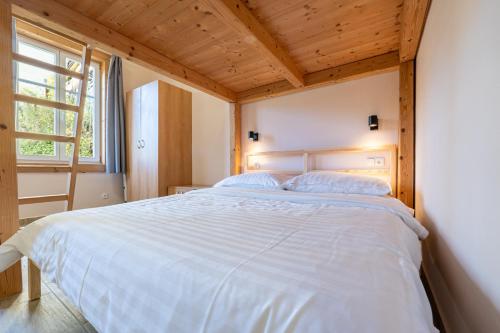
236,260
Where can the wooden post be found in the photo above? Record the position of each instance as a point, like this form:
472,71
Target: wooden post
34,281
236,132
406,163
10,280
412,18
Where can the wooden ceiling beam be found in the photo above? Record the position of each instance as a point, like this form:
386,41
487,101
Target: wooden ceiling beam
413,18
355,70
50,14
236,15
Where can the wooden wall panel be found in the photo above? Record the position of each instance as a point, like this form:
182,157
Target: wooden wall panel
406,165
10,280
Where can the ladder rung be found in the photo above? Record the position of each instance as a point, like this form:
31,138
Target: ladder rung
42,198
44,137
44,102
57,69
42,168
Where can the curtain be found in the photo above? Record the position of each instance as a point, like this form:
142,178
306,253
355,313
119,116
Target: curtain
115,118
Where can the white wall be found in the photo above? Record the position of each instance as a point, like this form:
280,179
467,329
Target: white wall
332,116
458,160
90,188
211,151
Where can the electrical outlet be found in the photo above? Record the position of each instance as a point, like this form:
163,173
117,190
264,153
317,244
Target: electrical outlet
105,196
379,162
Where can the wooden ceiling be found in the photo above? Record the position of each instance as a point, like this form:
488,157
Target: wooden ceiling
231,47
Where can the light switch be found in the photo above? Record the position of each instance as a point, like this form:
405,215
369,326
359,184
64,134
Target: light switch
371,162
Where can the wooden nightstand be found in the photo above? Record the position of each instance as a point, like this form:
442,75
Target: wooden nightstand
181,189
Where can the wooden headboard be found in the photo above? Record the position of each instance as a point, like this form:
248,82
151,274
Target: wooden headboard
380,161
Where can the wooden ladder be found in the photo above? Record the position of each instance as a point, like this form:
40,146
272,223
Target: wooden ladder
72,168
34,277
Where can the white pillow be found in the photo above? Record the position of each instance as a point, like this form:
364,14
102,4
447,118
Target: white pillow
337,182
251,180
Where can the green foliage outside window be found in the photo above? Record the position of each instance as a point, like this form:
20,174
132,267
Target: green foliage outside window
36,119
40,119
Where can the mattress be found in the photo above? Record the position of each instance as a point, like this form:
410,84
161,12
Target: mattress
236,260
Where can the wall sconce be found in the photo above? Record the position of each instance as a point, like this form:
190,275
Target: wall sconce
253,136
373,122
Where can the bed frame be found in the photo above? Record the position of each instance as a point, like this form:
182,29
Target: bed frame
387,171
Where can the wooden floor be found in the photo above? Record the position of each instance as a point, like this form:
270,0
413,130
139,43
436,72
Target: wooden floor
53,313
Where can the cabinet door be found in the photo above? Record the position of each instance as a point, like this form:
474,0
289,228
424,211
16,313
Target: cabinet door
175,137
149,143
133,135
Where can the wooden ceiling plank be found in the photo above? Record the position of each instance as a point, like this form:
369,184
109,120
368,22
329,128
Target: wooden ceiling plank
247,75
91,8
330,26
140,28
327,23
122,12
373,27
58,17
413,19
190,31
334,58
240,18
180,21
206,44
376,65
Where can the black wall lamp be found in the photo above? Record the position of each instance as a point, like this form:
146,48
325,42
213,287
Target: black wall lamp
373,122
253,136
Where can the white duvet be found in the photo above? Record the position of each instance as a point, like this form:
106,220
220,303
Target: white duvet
235,260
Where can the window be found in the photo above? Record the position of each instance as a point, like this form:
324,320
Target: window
41,83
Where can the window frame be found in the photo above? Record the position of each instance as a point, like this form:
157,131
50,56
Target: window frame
99,67
97,111
35,158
